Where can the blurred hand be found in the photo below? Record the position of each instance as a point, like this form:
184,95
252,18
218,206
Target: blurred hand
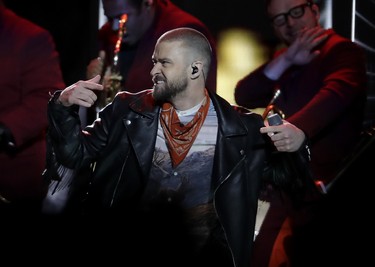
81,93
96,66
302,50
285,137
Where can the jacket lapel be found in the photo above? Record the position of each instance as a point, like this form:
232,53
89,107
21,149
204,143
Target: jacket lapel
231,140
142,125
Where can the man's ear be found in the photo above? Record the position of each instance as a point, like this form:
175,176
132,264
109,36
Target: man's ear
195,69
315,10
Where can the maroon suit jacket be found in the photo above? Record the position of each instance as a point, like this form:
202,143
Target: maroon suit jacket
325,98
29,71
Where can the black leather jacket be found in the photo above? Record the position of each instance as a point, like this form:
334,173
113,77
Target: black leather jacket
122,144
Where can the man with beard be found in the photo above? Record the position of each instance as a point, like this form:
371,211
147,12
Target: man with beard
176,170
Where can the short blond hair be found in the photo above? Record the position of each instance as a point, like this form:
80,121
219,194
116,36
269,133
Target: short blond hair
191,39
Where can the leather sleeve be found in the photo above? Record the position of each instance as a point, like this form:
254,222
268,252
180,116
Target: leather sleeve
63,129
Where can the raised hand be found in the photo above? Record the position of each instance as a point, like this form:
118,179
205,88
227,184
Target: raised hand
302,50
81,93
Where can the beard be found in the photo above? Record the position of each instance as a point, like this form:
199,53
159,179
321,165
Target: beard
166,91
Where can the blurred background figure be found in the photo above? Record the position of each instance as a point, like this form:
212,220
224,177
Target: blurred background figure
29,72
130,62
318,82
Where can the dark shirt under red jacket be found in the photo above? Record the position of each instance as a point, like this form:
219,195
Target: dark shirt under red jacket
29,71
137,61
325,98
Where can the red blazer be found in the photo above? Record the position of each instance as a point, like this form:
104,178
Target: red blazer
29,71
325,98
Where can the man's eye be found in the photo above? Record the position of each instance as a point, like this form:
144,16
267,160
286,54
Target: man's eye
295,12
279,20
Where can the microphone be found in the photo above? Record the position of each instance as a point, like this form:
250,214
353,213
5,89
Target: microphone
274,119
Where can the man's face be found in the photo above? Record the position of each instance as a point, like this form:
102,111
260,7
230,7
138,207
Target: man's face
289,17
137,20
170,71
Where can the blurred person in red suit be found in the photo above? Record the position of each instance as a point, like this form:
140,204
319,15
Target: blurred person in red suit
29,72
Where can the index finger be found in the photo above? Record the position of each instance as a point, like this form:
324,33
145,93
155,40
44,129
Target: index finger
270,129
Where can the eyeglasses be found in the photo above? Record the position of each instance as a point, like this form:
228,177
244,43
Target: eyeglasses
295,12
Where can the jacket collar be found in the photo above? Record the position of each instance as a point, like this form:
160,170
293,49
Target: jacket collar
145,105
230,123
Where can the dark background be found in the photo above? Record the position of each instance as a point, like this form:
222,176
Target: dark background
74,24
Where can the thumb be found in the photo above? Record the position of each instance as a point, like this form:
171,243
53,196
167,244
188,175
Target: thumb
96,79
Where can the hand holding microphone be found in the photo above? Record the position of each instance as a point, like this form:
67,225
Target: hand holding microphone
285,136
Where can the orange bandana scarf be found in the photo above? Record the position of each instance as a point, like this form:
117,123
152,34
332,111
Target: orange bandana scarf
181,137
